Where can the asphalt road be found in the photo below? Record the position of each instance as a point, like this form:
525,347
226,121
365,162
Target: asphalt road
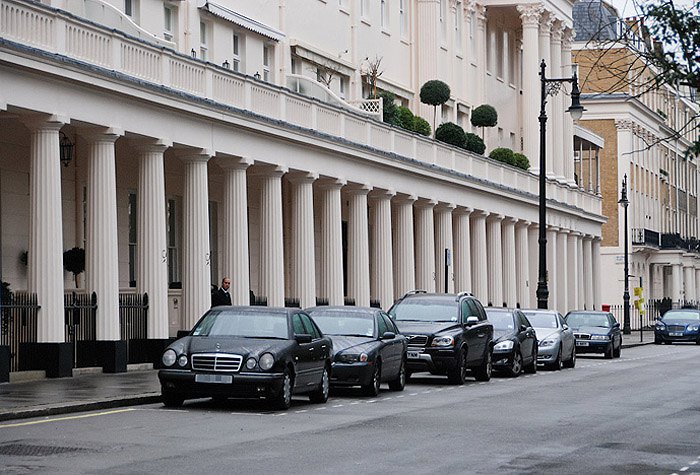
636,414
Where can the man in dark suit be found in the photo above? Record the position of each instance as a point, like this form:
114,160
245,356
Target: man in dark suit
221,296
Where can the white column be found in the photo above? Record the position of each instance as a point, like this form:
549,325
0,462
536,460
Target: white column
510,292
331,242
533,237
574,264
425,245
235,246
481,39
358,245
45,267
546,20
403,245
588,272
271,235
581,289
688,284
443,240
552,284
568,122
151,239
522,263
480,267
494,250
565,268
381,261
302,236
557,117
101,253
530,16
595,272
462,253
196,278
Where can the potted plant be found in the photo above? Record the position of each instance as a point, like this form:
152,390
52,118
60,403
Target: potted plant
74,262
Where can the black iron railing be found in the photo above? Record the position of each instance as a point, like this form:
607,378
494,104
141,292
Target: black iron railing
133,316
80,311
18,323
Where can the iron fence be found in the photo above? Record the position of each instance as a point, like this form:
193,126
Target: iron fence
80,312
133,316
18,323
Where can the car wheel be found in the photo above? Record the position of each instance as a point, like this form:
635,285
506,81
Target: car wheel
483,372
172,400
558,363
283,400
616,352
320,395
372,389
400,382
517,365
697,342
609,351
459,374
571,362
532,367
658,341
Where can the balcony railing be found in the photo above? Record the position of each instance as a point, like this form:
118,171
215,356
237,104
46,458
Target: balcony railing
645,237
675,241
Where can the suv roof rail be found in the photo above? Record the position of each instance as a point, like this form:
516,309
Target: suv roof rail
416,291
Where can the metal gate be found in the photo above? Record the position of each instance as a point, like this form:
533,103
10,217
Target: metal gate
133,320
81,320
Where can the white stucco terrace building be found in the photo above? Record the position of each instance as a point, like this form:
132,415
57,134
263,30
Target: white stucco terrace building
194,161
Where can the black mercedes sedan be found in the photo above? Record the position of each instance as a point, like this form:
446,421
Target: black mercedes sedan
515,341
248,352
368,347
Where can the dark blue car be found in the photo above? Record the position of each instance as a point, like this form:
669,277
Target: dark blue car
595,332
682,324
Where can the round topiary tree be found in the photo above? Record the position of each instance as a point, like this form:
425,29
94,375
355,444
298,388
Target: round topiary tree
521,161
434,93
475,144
503,154
74,262
452,134
404,118
484,116
421,126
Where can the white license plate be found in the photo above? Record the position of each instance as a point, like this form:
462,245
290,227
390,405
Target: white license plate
581,343
414,355
675,334
213,378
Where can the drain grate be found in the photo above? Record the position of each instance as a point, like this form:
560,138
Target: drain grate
39,450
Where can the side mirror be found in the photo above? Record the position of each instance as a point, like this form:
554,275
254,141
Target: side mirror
565,327
182,333
388,336
303,338
472,321
616,325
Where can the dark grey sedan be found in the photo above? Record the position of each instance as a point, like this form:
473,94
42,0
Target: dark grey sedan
557,345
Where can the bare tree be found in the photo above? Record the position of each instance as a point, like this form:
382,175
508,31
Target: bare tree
326,72
371,70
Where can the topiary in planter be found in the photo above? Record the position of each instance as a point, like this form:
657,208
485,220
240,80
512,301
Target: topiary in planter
404,117
74,262
452,134
521,161
475,144
503,154
389,106
434,93
421,126
484,116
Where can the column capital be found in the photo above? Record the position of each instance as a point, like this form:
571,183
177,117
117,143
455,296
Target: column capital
565,231
380,194
480,213
357,188
331,183
275,171
546,21
402,198
463,210
425,203
45,121
299,176
228,162
495,217
151,145
567,37
575,233
480,12
100,134
510,220
557,31
530,14
553,229
522,223
445,207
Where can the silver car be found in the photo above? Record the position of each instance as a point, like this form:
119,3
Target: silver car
557,345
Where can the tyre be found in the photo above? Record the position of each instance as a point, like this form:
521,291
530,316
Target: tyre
372,389
558,363
616,352
283,399
609,351
400,382
532,367
658,340
172,400
483,372
571,362
516,365
320,395
459,374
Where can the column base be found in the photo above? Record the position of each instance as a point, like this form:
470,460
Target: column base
4,364
56,359
148,351
112,355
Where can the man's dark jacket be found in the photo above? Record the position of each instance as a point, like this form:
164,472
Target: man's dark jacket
220,298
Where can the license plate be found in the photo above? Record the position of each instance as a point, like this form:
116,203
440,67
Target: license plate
213,378
414,355
675,334
581,343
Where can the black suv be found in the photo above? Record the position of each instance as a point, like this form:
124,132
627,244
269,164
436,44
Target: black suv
447,334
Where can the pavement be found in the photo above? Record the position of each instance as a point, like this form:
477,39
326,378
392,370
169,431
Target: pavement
30,395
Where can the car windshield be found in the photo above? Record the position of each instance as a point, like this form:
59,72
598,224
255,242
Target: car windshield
681,315
500,320
588,320
243,324
425,310
346,324
542,320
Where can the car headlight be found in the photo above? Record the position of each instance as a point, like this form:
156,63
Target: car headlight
660,326
504,345
169,357
600,337
548,342
266,361
250,363
182,360
443,341
695,327
352,358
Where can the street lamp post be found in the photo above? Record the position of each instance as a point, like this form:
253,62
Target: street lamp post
626,329
550,87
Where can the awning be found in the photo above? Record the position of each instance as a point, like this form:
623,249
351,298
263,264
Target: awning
242,21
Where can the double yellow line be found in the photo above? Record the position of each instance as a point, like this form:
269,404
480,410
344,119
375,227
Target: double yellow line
66,418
